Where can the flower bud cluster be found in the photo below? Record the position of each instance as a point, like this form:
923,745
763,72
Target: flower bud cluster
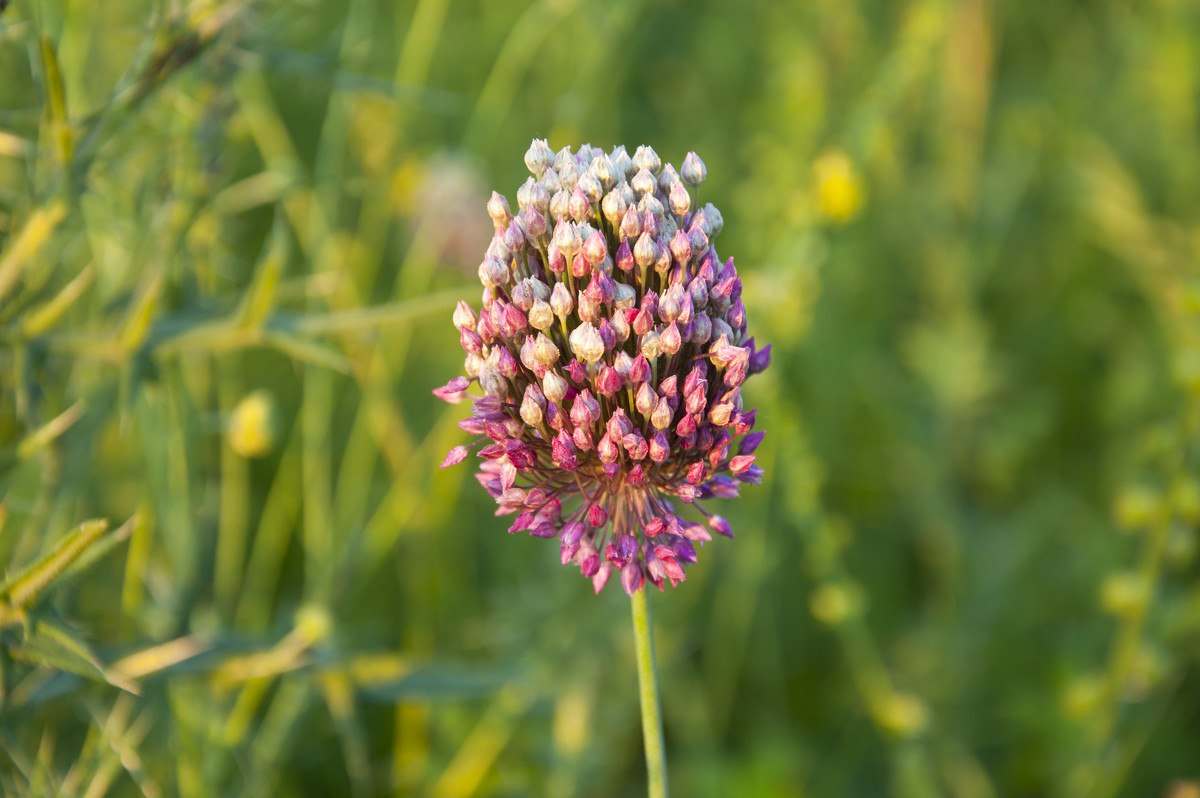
610,350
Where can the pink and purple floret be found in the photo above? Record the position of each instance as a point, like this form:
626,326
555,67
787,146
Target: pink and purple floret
610,352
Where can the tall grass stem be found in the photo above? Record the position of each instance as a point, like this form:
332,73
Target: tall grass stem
652,729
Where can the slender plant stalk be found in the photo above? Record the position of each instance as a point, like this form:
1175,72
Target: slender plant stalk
652,730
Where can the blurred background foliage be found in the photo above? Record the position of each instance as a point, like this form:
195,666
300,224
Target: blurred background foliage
231,234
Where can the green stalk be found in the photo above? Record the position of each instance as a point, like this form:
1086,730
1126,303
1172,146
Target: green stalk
652,730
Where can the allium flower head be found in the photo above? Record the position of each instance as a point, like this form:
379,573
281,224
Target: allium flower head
610,350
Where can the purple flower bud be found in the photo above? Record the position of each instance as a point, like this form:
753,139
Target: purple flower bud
514,237
580,267
595,249
534,220
639,370
597,516
681,247
506,364
452,391
470,341
750,442
741,462
567,551
607,336
688,493
643,322
608,381
582,436
625,260
670,339
600,578
522,295
720,526
578,206
607,449
760,360
659,450
686,426
631,224
455,456
558,262
577,371
635,445
636,477
619,425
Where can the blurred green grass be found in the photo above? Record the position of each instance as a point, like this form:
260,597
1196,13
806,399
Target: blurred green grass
230,237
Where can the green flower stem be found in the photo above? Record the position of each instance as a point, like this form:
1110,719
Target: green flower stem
652,730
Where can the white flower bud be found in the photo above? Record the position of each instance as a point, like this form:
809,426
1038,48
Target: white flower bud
693,170
645,251
613,205
589,309
539,157
464,317
650,345
540,289
625,295
622,162
523,193
668,180
586,343
715,220
681,200
554,387
567,238
643,183
605,171
539,198
647,158
531,413
544,351
620,327
590,187
560,301
492,382
540,316
560,204
497,208
551,183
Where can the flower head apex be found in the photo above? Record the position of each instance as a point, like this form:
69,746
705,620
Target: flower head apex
610,352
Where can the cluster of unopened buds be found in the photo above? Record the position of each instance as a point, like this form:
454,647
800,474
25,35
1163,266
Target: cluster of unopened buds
610,350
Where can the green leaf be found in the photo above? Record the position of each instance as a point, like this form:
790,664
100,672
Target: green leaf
23,589
51,643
